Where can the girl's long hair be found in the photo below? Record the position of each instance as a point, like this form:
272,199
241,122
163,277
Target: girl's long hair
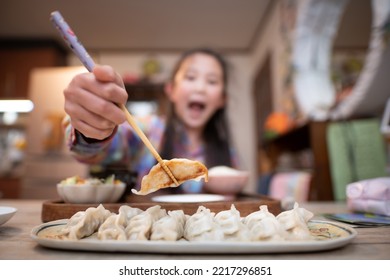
216,134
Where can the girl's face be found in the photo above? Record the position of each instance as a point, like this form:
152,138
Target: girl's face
197,90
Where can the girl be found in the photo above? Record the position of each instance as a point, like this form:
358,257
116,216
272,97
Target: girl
195,128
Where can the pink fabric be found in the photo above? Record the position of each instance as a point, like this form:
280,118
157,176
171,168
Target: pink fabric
380,207
370,196
290,185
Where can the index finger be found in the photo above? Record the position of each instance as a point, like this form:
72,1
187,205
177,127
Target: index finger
106,73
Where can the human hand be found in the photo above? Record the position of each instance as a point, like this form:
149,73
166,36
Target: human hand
91,101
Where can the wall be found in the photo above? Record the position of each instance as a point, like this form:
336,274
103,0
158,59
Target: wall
47,161
268,43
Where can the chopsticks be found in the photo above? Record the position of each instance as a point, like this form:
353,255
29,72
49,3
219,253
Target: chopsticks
87,61
130,119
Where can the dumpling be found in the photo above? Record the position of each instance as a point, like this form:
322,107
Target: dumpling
201,226
231,225
169,227
263,225
114,226
139,227
294,221
128,212
181,168
85,223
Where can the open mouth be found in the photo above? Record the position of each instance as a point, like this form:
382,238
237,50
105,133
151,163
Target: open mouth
198,106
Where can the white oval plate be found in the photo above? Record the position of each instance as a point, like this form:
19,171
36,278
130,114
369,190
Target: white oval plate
328,235
188,198
6,213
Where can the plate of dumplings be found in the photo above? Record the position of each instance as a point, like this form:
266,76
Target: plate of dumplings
156,230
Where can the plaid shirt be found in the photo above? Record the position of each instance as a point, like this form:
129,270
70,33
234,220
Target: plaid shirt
125,147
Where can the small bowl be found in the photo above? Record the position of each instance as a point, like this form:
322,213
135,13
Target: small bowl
6,213
226,181
92,190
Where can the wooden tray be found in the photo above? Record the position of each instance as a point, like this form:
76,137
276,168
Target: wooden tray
246,204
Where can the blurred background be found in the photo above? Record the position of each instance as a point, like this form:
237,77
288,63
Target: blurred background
308,82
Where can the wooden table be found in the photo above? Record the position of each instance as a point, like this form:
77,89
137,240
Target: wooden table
16,243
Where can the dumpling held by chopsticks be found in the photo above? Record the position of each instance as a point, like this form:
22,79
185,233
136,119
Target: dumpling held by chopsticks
181,168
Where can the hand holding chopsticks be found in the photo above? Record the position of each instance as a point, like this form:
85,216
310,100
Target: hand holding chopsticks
85,58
